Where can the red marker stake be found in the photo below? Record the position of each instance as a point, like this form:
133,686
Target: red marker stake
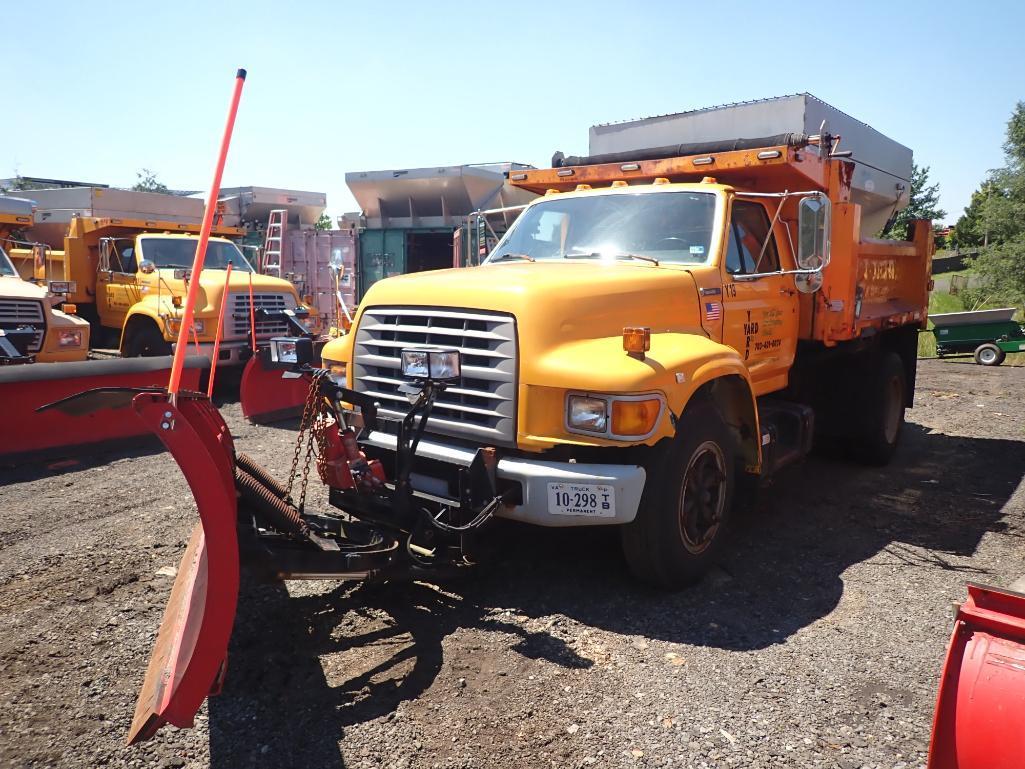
217,336
204,238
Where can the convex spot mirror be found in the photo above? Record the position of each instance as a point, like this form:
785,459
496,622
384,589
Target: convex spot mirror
813,233
146,266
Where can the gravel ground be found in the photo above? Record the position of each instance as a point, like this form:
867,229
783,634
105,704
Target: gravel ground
817,642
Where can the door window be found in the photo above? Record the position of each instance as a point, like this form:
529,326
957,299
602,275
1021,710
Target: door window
749,227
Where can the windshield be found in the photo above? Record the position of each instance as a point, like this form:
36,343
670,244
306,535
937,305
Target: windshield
6,266
673,227
179,252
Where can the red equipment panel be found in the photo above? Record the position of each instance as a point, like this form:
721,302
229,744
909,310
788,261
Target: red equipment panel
980,709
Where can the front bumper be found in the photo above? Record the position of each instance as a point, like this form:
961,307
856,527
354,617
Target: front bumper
533,477
230,353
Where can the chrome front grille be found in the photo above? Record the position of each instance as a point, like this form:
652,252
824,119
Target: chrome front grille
481,405
24,312
265,329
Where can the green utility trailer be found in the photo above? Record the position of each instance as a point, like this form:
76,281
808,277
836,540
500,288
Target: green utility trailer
988,335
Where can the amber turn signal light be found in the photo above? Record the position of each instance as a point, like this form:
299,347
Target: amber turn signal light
637,339
634,417
69,309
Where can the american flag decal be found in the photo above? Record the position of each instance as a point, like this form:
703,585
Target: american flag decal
713,311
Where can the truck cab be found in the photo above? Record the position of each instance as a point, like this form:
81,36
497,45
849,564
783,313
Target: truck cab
129,278
55,335
648,342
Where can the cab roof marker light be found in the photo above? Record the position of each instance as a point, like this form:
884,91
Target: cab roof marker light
769,155
583,187
709,180
660,180
705,161
630,167
619,183
551,191
517,177
565,172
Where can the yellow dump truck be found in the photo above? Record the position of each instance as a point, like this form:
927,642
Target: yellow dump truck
34,327
657,333
129,276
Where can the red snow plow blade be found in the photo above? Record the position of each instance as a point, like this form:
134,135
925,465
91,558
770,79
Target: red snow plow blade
191,650
57,432
980,709
268,396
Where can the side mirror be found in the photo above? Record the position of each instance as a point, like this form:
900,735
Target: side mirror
147,266
813,233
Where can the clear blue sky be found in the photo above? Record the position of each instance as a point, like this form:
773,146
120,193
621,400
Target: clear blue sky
100,90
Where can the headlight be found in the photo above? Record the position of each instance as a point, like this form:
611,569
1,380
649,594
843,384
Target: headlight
174,325
584,413
615,416
71,338
434,365
291,350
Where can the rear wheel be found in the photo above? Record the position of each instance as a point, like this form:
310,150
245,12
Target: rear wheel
989,355
146,341
685,510
880,412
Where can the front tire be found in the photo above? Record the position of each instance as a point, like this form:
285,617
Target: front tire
146,342
685,510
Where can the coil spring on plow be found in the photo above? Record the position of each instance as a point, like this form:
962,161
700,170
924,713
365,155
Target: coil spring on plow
263,498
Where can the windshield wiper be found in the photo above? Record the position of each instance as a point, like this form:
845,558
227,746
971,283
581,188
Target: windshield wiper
526,257
599,255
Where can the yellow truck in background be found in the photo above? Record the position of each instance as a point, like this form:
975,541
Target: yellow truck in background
56,336
129,277
657,333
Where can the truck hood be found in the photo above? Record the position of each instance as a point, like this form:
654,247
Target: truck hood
562,301
16,288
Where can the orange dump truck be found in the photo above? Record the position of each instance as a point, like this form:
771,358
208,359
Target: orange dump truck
662,328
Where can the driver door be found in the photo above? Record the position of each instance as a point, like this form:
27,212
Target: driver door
119,283
760,305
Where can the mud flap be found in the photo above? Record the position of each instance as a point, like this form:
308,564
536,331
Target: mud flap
190,653
980,708
268,395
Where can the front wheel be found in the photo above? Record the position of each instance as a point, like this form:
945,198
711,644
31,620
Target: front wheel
685,511
146,342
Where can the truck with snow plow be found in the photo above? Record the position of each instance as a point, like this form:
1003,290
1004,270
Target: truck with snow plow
127,271
660,332
389,527
32,325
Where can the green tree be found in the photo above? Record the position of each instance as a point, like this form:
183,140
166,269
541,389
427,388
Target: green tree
970,229
324,223
148,182
1000,217
923,204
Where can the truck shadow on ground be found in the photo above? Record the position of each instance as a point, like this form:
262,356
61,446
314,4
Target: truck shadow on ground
305,668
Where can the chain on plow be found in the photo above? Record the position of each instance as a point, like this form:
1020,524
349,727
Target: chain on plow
311,430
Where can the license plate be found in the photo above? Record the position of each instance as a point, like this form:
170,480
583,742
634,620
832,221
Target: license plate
592,500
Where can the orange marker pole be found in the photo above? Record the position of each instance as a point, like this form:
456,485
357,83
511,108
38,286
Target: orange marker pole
204,238
217,336
252,314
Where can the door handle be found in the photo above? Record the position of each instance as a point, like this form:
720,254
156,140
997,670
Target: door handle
784,291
